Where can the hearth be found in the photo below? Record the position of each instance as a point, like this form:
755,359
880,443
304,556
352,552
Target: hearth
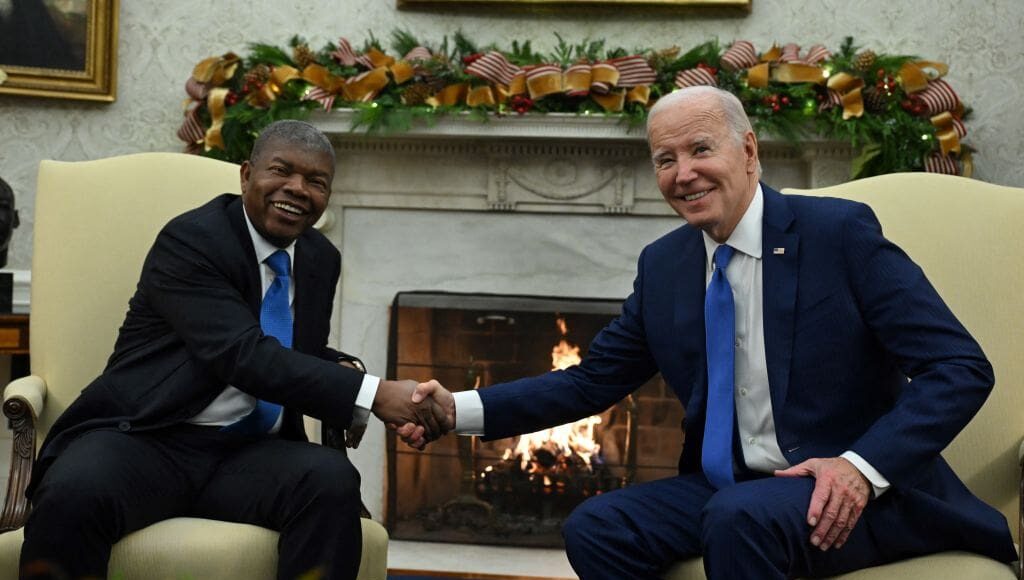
514,491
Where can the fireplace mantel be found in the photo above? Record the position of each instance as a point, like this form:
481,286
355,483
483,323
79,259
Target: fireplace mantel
554,163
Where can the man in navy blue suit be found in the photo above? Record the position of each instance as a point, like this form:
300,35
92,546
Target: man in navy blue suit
848,375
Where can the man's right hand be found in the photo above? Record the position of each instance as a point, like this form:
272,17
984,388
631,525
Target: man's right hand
394,404
409,432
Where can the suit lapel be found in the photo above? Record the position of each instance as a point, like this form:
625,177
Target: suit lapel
251,287
304,275
689,311
780,268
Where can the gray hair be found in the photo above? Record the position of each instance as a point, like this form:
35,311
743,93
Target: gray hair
735,117
292,132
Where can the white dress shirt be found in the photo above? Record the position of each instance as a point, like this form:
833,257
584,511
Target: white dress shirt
232,404
755,422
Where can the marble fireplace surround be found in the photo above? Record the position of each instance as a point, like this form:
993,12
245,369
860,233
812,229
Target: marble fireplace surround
554,205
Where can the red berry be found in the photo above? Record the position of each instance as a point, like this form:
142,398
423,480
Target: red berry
785,100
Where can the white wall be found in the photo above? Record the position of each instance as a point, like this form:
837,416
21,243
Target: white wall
160,42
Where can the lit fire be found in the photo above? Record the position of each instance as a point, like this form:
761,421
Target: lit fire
566,440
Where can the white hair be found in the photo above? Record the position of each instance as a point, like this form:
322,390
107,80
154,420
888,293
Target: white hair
735,117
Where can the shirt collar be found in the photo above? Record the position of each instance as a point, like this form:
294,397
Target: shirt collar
263,247
746,237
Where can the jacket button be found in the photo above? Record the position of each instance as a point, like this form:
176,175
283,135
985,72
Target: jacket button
124,426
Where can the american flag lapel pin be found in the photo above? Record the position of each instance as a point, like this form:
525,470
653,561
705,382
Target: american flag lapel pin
779,251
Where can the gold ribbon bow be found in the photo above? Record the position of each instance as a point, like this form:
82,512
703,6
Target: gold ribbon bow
213,72
849,89
945,132
915,74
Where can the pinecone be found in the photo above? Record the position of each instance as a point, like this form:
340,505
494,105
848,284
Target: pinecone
864,60
257,75
416,94
303,56
875,100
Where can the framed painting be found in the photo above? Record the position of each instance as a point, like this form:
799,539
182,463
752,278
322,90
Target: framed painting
741,5
65,49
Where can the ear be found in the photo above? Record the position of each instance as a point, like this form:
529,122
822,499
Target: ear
750,152
244,173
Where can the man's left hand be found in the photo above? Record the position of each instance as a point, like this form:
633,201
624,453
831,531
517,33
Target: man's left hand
840,494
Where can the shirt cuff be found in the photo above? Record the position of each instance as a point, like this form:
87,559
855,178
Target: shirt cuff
879,484
469,413
364,400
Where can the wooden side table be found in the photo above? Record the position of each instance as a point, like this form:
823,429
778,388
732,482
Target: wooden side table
14,341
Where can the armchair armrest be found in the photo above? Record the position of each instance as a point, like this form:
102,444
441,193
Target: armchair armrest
23,403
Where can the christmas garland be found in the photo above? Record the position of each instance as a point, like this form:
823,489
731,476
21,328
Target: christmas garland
897,111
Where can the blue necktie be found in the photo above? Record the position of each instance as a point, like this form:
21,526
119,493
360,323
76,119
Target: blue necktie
276,321
720,326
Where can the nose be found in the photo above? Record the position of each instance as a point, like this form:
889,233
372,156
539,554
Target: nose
684,172
296,185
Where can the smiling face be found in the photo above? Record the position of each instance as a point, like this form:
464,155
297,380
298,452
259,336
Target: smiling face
705,171
285,189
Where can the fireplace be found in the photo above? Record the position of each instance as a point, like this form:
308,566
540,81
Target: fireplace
514,491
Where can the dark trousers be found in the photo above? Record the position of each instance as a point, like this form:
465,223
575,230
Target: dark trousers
107,484
754,530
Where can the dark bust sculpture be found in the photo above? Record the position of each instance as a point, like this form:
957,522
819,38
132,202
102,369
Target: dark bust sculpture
8,219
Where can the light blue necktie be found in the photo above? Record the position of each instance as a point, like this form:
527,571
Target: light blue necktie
276,321
720,327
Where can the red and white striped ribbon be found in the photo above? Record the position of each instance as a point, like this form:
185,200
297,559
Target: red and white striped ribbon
418,53
348,57
321,96
739,56
816,54
196,89
493,67
832,99
633,71
790,53
939,163
938,97
959,127
693,77
191,130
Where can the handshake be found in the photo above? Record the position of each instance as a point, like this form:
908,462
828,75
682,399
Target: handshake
418,412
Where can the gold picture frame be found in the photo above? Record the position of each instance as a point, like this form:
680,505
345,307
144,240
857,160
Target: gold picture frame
78,62
731,5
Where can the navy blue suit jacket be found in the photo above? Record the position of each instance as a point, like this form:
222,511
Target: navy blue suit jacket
862,355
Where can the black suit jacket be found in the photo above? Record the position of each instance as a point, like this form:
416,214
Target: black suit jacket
193,327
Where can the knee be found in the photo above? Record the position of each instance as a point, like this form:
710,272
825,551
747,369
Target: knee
73,498
589,525
332,480
749,512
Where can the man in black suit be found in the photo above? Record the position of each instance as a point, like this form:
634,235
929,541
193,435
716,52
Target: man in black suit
166,430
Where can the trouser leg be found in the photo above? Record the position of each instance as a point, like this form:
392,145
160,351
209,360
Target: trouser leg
638,531
758,530
307,492
104,485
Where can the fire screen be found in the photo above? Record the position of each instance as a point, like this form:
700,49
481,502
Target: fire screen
514,491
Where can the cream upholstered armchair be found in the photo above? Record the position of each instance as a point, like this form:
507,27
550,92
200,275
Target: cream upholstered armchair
967,236
95,221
